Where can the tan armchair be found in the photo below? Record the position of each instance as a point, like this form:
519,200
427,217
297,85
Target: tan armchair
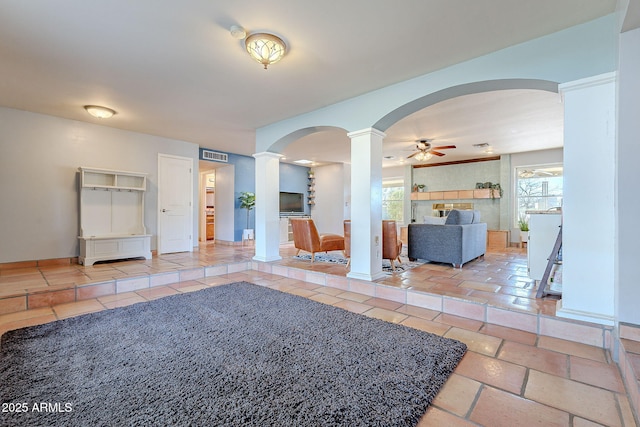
307,238
391,245
347,241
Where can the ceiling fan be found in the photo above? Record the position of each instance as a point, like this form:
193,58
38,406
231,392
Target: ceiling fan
534,172
425,150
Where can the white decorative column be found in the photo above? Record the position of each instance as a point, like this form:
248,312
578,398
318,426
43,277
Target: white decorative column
628,176
366,204
267,207
588,212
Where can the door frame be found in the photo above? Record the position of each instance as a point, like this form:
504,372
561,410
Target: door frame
202,199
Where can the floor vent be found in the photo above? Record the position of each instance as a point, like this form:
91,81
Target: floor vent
215,156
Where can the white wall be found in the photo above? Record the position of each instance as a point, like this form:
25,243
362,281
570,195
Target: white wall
329,211
588,232
347,191
537,158
39,160
393,172
224,203
628,177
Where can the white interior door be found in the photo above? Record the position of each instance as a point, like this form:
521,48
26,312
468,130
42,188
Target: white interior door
175,204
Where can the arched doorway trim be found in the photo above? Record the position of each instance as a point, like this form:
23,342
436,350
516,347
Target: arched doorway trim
279,145
465,89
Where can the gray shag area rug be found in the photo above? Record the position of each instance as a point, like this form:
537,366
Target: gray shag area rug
232,355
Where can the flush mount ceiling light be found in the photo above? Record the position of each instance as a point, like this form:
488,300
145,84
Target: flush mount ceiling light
265,48
99,112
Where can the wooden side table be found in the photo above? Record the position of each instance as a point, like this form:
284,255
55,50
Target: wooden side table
497,239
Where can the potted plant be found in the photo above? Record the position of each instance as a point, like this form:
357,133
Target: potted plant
523,225
421,187
248,202
495,188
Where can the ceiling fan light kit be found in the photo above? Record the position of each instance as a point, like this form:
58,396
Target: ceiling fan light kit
100,112
426,151
423,156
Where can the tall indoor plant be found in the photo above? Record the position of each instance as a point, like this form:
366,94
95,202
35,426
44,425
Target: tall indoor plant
523,225
247,201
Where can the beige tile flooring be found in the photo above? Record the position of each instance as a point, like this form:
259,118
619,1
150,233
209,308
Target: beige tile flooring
499,278
507,378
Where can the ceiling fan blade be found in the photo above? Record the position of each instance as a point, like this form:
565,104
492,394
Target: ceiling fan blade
436,153
444,147
414,154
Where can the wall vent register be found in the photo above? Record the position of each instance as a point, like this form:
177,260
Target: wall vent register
215,156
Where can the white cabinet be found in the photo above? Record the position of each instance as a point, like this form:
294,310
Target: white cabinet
543,231
112,215
286,230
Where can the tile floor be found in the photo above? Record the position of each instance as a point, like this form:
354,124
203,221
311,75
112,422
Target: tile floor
507,378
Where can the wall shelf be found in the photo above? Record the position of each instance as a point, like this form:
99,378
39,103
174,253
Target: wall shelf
484,193
112,180
311,190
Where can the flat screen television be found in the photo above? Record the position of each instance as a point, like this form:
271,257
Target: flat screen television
291,202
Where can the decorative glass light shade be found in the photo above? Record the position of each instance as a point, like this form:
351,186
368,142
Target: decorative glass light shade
423,156
99,112
265,48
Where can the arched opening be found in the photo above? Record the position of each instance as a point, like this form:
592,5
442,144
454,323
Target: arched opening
455,91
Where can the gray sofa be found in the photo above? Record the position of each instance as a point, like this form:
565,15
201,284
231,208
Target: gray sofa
462,238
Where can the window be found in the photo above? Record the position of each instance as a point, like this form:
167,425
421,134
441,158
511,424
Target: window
538,188
393,200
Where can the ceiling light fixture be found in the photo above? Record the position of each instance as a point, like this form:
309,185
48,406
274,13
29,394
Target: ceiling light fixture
423,156
99,112
265,48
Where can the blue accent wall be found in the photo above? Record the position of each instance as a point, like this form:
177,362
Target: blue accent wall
244,180
293,178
